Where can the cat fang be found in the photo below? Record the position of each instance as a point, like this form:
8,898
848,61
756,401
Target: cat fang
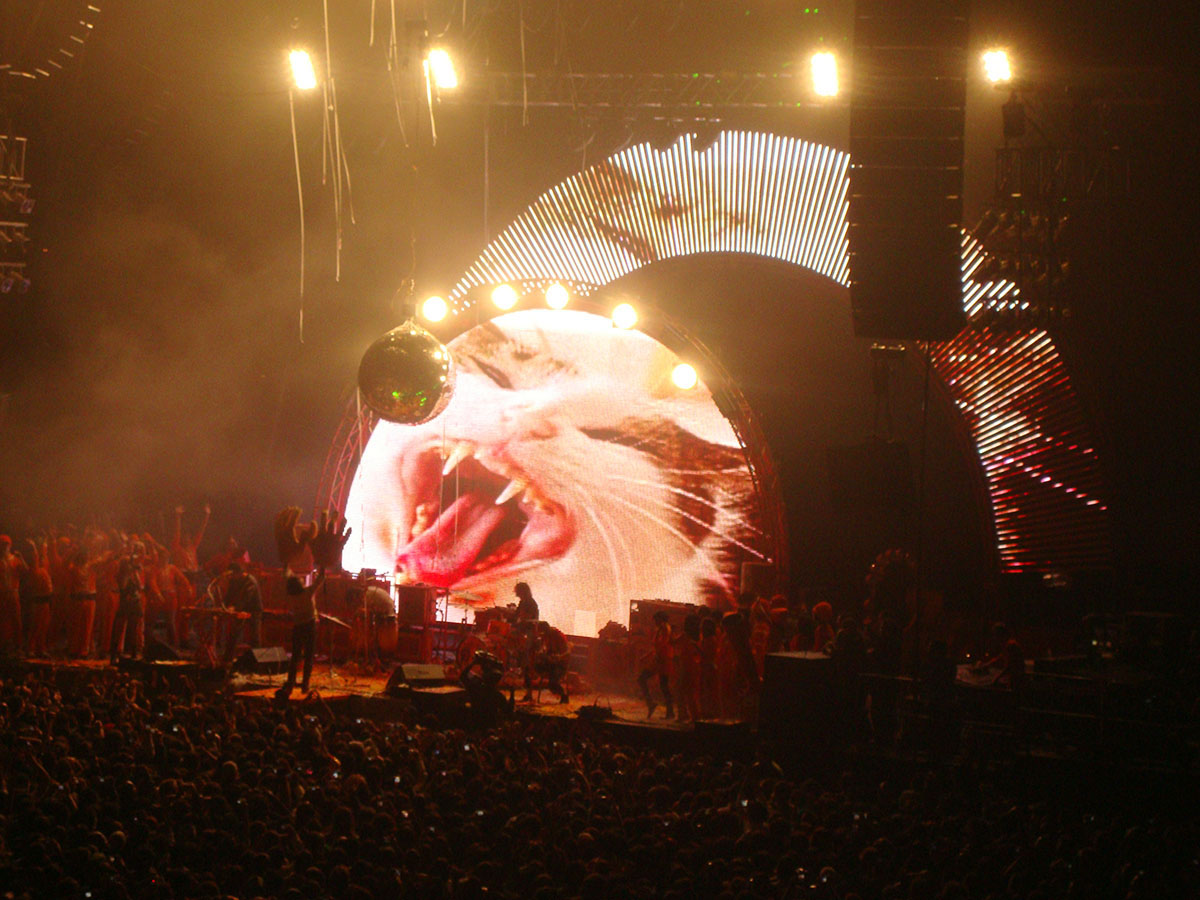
482,516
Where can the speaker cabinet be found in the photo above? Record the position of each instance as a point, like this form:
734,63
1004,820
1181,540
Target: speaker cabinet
415,605
797,697
263,660
907,103
414,675
157,649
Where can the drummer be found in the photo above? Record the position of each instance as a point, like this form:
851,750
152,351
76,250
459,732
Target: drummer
380,608
377,599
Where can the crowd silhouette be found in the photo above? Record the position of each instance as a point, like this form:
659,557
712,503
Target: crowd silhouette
110,789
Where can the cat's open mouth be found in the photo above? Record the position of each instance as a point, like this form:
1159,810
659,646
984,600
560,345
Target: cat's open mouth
475,514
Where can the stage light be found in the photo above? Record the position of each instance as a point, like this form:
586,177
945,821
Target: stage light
996,67
504,296
624,316
824,74
303,72
441,69
434,308
557,296
684,377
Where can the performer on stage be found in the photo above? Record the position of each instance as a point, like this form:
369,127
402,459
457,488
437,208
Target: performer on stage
41,590
177,593
184,546
524,631
12,567
527,608
131,606
303,605
81,580
689,670
244,596
658,662
379,611
550,658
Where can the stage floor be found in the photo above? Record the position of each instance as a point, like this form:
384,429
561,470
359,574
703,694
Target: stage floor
342,682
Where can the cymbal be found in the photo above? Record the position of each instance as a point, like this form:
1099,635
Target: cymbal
467,595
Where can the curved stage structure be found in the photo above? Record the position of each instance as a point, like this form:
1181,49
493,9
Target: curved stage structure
785,198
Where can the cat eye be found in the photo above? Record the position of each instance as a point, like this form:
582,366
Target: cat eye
493,373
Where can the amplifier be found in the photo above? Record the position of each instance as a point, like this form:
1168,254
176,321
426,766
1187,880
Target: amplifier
641,614
415,604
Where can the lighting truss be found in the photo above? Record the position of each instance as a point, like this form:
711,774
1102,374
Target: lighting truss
680,96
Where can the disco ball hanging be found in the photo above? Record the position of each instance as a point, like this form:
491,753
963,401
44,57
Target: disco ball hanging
407,376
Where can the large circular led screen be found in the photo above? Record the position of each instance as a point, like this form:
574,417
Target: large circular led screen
569,459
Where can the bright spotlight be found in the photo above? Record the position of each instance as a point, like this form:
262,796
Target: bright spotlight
504,296
684,377
434,308
557,296
441,68
303,72
624,316
824,74
996,67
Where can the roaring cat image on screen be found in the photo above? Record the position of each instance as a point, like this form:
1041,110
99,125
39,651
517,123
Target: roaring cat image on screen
567,459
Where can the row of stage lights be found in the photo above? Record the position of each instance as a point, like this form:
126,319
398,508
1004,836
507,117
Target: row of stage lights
505,297
439,67
434,309
824,65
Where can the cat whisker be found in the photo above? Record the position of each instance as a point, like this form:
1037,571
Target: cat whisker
612,555
678,490
717,532
669,528
703,472
621,539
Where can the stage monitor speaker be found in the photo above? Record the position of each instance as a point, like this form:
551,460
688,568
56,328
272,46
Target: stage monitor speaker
873,474
263,660
414,675
157,649
797,697
904,218
415,606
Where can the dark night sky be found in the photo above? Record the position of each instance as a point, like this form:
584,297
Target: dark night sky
158,360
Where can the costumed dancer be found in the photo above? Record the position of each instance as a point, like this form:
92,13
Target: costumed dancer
12,567
81,575
708,667
689,670
760,632
658,662
41,592
131,604
177,593
107,593
185,547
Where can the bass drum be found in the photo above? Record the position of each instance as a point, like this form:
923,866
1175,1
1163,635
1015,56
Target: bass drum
387,634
